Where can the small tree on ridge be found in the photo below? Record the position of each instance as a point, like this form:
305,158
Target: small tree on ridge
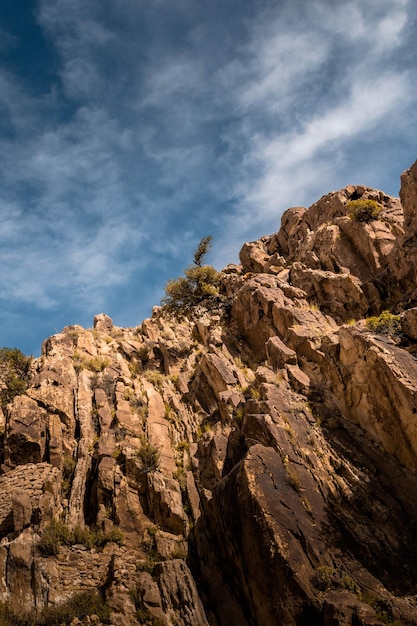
199,282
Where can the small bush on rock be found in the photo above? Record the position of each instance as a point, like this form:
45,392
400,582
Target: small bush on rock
322,577
10,617
57,533
384,324
364,210
14,372
80,605
53,536
199,283
149,456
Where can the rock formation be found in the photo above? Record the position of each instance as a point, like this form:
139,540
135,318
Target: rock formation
251,462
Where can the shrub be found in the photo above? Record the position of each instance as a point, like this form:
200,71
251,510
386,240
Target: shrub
96,364
155,377
200,282
10,617
144,353
80,605
384,324
364,210
53,536
115,535
57,533
149,456
68,468
180,476
14,372
108,385
323,577
183,445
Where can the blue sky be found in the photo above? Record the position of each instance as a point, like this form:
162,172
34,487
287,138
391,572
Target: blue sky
129,129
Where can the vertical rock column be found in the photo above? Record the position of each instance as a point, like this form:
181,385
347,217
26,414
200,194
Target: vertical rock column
83,416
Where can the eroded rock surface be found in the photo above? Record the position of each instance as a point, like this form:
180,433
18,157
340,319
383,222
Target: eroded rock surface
252,463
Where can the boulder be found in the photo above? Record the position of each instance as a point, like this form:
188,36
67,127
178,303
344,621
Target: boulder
26,432
103,323
21,510
408,197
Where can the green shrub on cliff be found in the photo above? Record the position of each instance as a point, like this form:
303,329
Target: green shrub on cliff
57,533
149,456
80,605
14,373
199,283
364,210
384,324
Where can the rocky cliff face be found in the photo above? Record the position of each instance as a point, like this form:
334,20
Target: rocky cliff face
251,463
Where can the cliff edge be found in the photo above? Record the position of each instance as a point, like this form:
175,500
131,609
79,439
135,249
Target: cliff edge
251,461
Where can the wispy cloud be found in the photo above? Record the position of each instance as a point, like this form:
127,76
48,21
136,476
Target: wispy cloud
318,87
164,123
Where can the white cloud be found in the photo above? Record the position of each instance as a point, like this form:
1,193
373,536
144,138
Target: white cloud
357,99
153,134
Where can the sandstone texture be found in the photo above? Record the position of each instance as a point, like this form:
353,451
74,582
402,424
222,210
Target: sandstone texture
251,462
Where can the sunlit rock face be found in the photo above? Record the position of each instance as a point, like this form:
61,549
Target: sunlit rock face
251,462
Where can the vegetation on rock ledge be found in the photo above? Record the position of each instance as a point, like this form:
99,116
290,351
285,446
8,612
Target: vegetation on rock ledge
384,324
364,210
80,605
200,282
14,372
57,533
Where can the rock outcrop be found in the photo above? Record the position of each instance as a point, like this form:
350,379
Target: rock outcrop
252,462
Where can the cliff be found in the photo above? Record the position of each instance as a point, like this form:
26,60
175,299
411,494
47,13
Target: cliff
249,462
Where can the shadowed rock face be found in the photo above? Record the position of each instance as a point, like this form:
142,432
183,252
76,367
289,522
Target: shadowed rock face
259,456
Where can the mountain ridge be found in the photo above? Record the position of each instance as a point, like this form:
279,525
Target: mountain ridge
251,460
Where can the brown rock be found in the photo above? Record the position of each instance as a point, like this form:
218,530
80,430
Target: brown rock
165,502
289,441
21,509
278,353
254,257
379,393
408,197
252,311
409,323
178,590
339,295
103,323
26,432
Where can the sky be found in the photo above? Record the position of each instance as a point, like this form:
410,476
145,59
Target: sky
130,129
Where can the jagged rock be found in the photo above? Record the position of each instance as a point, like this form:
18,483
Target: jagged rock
252,311
408,197
291,223
178,590
409,323
164,500
103,323
339,295
218,372
21,510
253,257
26,432
379,393
278,353
19,571
275,425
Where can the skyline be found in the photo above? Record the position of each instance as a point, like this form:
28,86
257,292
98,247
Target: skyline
129,131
